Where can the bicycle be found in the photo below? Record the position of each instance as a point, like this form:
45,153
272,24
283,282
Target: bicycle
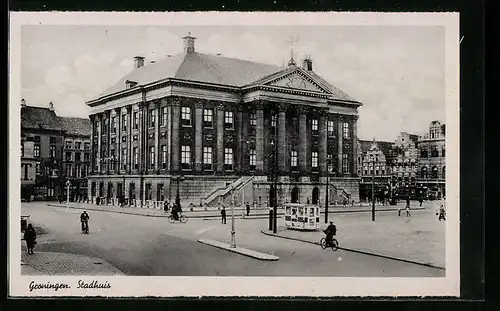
85,229
182,219
334,244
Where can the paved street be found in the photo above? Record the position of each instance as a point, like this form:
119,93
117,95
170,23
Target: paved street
138,245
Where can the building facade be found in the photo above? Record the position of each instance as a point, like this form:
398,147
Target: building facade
374,169
432,158
219,130
42,153
404,165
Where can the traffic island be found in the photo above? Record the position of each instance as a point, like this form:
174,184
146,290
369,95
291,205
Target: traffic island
239,250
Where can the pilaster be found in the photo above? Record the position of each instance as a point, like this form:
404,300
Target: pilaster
220,138
198,136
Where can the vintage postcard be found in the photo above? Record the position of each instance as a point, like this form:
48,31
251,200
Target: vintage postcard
234,154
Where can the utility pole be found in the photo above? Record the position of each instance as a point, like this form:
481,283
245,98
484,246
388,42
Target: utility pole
275,212
233,232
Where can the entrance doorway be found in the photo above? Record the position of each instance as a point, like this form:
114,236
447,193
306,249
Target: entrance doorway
295,195
315,195
272,196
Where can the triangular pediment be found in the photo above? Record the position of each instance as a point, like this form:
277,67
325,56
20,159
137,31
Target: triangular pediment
297,80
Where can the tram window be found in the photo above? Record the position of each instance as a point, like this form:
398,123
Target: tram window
311,211
301,212
294,211
288,210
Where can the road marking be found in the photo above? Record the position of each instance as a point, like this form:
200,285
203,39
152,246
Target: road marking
205,230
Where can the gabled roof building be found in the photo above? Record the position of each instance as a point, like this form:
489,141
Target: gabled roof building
194,123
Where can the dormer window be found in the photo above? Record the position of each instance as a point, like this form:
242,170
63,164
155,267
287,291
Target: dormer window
130,84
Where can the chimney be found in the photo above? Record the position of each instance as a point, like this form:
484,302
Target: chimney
307,64
139,61
51,106
188,43
23,103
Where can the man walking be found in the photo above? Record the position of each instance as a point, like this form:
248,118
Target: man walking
223,214
408,207
248,209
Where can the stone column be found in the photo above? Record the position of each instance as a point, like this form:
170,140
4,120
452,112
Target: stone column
259,137
157,136
322,131
175,103
99,142
198,136
92,145
245,122
355,145
340,135
239,139
220,138
129,139
108,141
302,110
118,137
281,139
169,131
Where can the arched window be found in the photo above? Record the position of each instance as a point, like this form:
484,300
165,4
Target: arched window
434,172
423,172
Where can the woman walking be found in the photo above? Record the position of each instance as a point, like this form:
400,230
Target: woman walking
30,237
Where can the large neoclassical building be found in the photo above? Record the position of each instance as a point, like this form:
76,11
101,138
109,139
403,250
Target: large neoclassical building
219,129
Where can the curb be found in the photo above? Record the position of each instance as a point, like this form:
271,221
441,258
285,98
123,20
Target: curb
358,251
239,250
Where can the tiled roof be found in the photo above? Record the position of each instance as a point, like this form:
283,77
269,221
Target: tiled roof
198,67
384,146
76,126
39,118
207,68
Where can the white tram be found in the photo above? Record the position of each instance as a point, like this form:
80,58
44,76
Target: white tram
301,216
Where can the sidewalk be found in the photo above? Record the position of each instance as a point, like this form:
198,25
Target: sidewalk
417,239
49,263
215,213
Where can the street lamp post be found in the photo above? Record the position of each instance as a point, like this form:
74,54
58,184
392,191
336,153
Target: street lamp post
68,184
373,187
233,232
275,173
327,188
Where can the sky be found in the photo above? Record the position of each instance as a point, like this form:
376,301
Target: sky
396,72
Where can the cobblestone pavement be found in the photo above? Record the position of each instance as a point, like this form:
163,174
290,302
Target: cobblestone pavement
152,246
51,263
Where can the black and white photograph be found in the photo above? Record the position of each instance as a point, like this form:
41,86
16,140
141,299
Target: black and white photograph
223,154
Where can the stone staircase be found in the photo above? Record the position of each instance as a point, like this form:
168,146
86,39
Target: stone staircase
225,195
196,190
339,194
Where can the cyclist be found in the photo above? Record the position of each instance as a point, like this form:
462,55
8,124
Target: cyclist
84,219
330,232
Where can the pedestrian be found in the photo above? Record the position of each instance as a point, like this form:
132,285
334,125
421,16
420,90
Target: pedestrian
399,211
420,200
30,238
84,219
442,213
248,209
165,206
308,201
408,207
223,214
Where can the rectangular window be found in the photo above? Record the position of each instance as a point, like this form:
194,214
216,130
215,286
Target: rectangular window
52,140
78,170
136,157
124,122
78,156
208,115
314,159
253,159
152,116
113,125
186,116
151,157
185,156
22,149
228,119
228,158
124,158
38,168
273,120
345,164
68,156
164,156
345,130
314,124
207,157
52,151
136,120
294,159
331,128
253,119
69,172
163,116
86,157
